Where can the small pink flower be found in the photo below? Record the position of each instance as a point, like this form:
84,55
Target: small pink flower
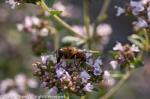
118,47
114,64
119,10
135,48
88,87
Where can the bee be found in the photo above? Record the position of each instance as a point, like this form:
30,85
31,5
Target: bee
70,53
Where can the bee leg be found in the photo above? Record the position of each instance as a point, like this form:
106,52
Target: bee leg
58,59
59,55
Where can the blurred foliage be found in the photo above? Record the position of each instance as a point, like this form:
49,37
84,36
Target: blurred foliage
50,2
72,41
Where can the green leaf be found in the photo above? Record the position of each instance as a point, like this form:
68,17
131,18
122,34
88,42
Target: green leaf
49,2
138,63
112,53
134,36
137,40
55,12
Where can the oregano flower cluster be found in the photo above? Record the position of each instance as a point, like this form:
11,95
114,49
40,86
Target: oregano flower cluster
69,74
125,55
140,9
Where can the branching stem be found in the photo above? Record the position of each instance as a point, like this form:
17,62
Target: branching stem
102,16
147,40
87,21
117,87
57,19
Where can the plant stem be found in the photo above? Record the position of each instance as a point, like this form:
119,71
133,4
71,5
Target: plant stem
65,25
102,16
116,88
57,19
56,40
87,95
82,97
97,52
87,21
56,37
67,96
147,40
